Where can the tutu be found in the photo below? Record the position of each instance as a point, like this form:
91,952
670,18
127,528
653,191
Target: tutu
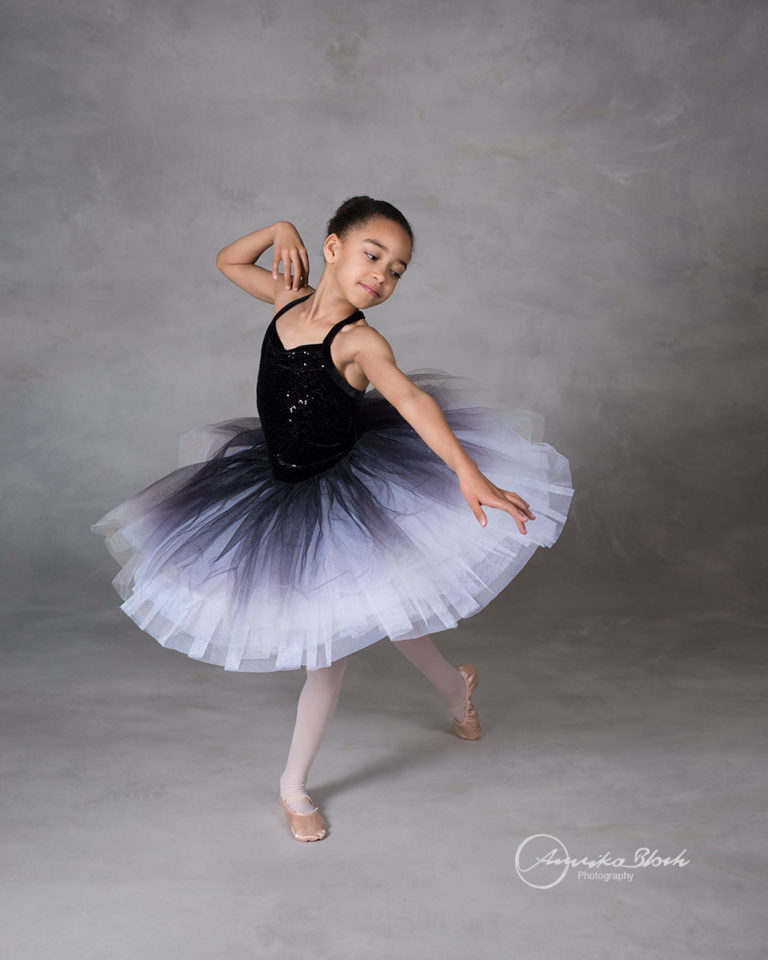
226,563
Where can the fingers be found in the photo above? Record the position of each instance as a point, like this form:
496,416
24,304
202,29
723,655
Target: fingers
500,505
521,515
300,268
516,514
282,255
291,252
489,495
288,265
295,266
519,518
518,501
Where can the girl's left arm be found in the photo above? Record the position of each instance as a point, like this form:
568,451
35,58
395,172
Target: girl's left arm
376,360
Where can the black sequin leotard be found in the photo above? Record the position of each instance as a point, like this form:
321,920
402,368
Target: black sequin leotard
305,405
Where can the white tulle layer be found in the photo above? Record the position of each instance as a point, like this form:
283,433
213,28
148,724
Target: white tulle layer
222,562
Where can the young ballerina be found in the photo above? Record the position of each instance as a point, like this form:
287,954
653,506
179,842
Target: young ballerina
340,515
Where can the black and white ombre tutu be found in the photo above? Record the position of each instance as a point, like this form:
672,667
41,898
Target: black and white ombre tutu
228,563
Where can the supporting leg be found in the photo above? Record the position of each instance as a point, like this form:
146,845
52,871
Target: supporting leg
446,679
316,706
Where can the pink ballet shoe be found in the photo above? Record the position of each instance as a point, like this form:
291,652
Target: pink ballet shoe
304,826
469,727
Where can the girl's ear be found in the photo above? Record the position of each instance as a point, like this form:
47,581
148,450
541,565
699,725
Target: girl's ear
331,247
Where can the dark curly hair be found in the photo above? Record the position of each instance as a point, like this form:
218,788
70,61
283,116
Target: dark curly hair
357,211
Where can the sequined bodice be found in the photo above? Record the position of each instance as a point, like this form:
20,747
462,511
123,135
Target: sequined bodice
305,405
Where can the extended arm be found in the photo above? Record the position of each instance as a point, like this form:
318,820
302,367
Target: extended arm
376,360
237,261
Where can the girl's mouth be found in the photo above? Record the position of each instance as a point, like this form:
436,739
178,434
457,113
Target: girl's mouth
373,293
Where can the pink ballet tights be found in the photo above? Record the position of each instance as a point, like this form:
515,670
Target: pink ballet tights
320,695
317,703
446,679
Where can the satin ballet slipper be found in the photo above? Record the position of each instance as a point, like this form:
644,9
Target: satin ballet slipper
469,727
304,826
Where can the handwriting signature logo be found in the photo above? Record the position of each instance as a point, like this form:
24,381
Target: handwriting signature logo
542,861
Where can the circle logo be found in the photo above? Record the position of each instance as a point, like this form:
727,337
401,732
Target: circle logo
541,861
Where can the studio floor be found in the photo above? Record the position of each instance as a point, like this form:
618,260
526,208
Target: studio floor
141,819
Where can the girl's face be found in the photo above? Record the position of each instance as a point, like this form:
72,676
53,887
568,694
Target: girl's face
368,261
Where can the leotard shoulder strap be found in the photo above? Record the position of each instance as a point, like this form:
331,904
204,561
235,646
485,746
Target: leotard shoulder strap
357,315
288,306
326,341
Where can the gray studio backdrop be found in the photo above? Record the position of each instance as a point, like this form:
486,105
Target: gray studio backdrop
586,181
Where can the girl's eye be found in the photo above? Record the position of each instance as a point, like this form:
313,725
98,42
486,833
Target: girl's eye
373,256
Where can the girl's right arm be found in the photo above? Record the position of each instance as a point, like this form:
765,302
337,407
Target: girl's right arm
237,261
374,357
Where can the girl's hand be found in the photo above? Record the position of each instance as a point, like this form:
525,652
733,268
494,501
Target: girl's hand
477,489
290,250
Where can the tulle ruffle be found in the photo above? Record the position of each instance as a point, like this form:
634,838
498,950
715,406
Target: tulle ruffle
226,564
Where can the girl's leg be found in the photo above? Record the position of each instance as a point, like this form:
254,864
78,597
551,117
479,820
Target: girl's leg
317,703
446,679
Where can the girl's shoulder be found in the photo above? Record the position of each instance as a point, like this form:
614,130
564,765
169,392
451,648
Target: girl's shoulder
359,333
359,341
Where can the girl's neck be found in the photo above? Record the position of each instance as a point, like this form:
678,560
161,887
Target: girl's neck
326,303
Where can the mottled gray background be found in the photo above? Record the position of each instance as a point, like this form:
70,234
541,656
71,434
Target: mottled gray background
586,181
